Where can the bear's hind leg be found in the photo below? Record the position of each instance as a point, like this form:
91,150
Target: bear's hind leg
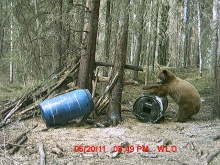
183,114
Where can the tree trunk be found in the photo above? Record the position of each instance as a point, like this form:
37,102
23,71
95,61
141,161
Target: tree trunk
11,75
107,34
38,46
164,39
148,48
67,37
214,37
216,108
155,35
186,34
57,47
2,32
139,34
200,38
216,60
114,110
60,31
77,22
86,68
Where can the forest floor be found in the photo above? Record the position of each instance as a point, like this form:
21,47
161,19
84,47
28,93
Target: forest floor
185,143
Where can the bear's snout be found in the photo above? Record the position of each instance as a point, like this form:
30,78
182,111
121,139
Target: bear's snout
159,81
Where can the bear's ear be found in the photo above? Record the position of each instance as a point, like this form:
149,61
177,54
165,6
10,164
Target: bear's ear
165,72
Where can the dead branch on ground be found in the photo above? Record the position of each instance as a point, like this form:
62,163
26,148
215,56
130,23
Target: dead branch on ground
18,141
102,99
15,148
27,104
212,155
131,67
42,154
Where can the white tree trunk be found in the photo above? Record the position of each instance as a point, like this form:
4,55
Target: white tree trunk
39,41
11,47
185,34
200,39
214,37
216,60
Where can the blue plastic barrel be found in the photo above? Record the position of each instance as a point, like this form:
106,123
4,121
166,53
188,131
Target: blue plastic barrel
66,107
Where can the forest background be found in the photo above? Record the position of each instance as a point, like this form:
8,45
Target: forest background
49,44
38,38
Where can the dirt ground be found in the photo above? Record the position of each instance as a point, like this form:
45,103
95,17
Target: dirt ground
184,143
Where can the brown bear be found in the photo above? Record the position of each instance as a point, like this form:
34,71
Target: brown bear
183,93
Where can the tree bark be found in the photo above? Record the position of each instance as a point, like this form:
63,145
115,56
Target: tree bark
164,39
148,48
216,108
186,34
154,36
11,73
60,31
39,43
58,28
2,32
107,34
114,109
89,44
216,60
200,38
139,37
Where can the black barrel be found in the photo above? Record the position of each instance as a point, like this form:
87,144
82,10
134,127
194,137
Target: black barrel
150,108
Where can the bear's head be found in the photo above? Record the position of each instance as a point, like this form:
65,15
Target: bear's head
165,76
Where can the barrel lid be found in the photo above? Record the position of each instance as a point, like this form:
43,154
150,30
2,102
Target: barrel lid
149,108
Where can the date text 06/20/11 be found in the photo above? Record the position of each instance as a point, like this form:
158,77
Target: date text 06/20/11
131,148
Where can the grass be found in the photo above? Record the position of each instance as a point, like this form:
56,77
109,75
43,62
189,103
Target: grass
9,91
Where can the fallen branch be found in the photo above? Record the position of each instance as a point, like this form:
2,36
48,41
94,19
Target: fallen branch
7,107
102,106
11,144
216,137
42,154
17,106
95,83
58,152
15,148
35,105
126,82
132,67
62,79
107,89
212,155
19,138
32,99
30,115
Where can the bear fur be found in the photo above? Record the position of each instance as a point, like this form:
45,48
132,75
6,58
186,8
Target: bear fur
183,93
